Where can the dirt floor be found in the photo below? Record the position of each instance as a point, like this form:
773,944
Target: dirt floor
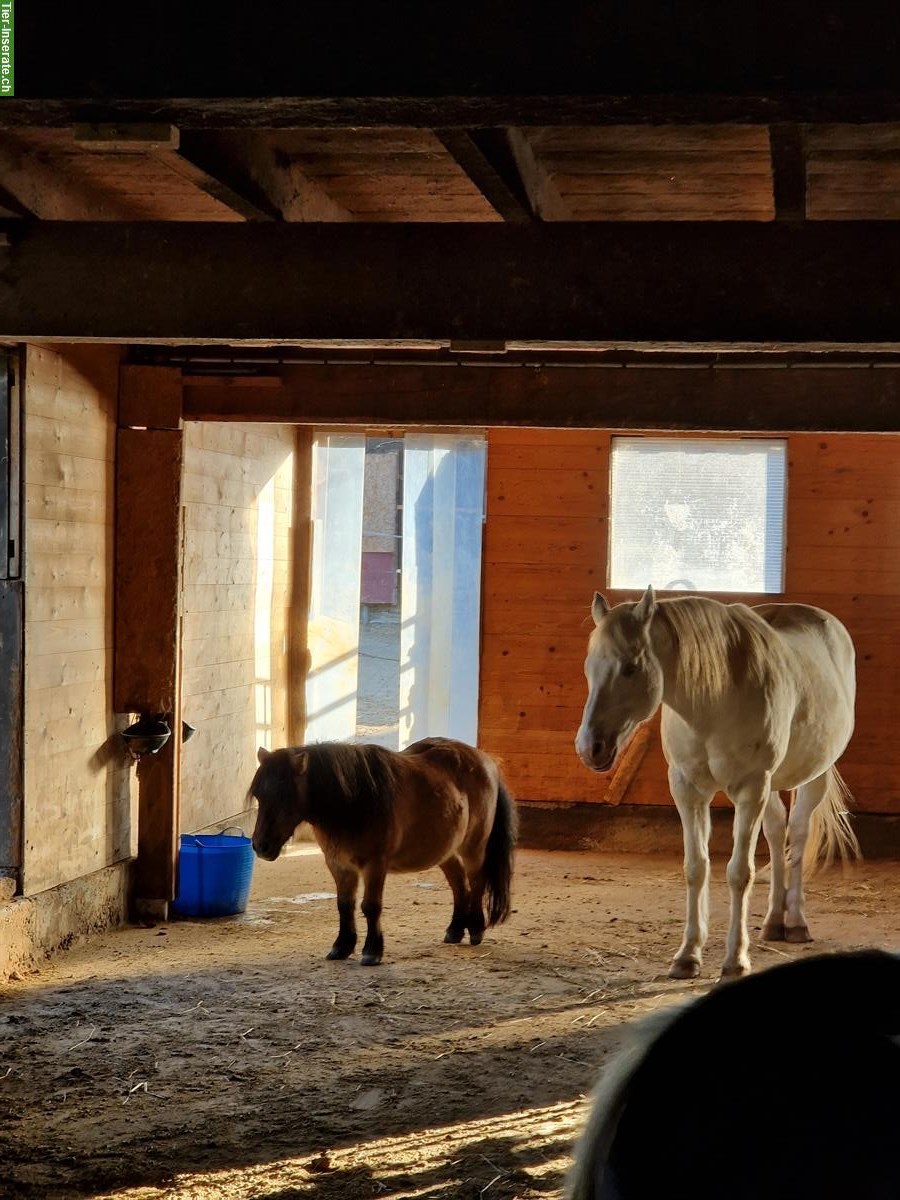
229,1059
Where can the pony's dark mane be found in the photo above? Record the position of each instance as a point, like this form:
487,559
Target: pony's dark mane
349,785
273,782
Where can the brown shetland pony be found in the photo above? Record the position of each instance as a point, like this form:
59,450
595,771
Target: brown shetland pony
439,803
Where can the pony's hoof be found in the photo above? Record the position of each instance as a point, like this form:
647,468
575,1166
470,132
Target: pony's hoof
735,970
475,939
454,936
773,931
797,934
370,960
339,952
684,968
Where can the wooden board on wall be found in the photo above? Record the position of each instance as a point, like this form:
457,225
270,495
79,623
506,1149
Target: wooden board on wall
78,808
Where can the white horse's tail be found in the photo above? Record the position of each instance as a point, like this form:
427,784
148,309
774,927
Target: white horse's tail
830,831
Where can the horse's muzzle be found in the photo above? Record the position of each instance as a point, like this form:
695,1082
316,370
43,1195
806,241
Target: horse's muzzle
598,754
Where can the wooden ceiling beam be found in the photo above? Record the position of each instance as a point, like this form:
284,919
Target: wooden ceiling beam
223,185
679,283
788,172
542,192
486,156
467,112
126,137
41,188
848,399
258,168
184,156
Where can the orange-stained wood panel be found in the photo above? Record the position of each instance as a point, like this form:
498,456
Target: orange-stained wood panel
542,564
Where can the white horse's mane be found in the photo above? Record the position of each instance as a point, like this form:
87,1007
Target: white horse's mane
712,639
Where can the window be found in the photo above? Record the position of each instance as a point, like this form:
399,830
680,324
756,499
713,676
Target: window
698,515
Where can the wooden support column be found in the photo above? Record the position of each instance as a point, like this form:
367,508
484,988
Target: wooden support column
147,676
301,584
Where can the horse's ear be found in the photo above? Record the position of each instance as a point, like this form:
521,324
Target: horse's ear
299,761
262,754
646,606
599,608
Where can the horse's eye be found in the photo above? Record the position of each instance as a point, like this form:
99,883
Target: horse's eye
629,668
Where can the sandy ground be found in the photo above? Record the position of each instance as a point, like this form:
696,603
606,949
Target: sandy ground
228,1059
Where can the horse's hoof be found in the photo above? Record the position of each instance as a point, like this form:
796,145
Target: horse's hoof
773,931
684,968
475,939
797,934
370,960
453,937
735,970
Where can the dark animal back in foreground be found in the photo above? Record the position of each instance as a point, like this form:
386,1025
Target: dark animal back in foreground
783,1085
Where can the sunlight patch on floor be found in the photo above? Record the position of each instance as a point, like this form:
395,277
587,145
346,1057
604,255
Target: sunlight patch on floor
535,1144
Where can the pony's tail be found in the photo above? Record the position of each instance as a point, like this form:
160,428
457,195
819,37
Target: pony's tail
498,857
830,831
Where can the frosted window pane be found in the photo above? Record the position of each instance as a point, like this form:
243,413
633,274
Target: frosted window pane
704,516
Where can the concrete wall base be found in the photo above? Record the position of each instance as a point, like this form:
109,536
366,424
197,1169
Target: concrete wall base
34,927
652,829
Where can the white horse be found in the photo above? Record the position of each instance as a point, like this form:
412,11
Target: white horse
755,701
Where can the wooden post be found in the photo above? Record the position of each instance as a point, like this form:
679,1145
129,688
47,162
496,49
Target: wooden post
147,675
301,584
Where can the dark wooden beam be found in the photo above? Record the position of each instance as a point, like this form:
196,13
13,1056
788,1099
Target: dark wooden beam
301,584
678,283
487,158
148,547
12,206
188,156
235,193
147,660
848,399
149,397
788,172
543,195
257,167
466,112
755,54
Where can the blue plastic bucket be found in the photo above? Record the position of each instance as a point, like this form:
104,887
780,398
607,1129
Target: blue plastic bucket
214,875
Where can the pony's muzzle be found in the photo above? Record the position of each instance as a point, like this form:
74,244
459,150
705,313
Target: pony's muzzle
268,853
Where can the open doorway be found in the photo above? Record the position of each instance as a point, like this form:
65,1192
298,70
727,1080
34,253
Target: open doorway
378,680
395,606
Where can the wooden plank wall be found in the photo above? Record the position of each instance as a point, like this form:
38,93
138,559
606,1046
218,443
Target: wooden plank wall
78,810
545,553
237,516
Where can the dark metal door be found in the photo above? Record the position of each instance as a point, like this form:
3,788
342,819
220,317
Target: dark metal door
11,621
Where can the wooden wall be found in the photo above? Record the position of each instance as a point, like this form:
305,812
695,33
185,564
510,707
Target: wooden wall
237,513
78,811
545,554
